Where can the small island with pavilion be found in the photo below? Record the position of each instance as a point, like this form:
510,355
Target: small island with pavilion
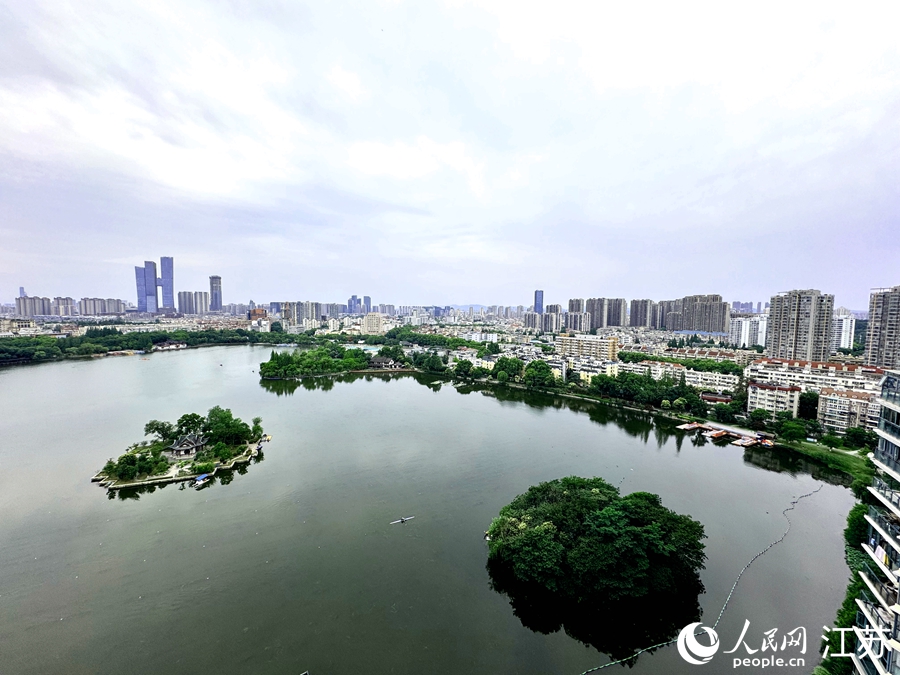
194,446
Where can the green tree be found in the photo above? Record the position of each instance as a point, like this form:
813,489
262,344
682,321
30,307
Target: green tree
276,327
857,530
857,437
164,431
190,423
538,374
759,418
502,377
462,368
256,431
723,413
792,432
679,404
666,404
492,348
808,408
511,366
831,441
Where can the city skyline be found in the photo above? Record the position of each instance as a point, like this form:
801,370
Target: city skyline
452,153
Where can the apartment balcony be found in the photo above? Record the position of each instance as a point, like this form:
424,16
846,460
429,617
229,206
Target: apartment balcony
886,494
886,462
884,593
889,427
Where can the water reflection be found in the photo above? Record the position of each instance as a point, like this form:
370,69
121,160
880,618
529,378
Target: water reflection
636,423
782,461
222,477
616,628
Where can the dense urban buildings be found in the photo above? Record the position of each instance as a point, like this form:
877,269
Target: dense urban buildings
800,325
883,332
748,330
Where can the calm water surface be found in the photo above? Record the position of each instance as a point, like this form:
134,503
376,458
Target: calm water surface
293,566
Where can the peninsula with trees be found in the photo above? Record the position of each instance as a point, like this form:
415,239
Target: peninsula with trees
179,451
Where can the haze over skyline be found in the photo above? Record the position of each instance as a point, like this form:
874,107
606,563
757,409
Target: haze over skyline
456,151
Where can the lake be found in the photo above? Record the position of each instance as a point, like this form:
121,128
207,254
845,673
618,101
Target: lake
292,565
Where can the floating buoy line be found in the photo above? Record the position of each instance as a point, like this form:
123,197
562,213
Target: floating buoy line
730,593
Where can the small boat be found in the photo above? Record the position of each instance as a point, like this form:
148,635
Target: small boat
201,480
402,520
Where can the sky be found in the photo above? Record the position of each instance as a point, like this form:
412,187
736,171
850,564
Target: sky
451,152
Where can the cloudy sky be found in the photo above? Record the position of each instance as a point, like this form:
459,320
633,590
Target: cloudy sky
451,152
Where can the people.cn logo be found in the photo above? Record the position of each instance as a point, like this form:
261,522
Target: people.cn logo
691,650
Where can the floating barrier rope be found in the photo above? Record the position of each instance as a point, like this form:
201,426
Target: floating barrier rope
730,593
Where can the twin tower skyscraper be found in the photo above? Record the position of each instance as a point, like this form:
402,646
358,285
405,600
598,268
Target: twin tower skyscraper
148,285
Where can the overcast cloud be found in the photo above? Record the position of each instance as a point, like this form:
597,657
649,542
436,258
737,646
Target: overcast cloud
451,152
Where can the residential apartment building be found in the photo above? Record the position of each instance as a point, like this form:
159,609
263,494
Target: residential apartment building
748,330
773,397
597,308
551,322
883,332
588,346
641,313
373,324
800,325
843,329
578,321
709,381
841,409
815,375
878,608
576,305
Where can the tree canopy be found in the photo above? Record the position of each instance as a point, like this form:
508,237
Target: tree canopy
578,549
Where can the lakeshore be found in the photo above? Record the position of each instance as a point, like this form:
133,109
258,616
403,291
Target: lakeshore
298,550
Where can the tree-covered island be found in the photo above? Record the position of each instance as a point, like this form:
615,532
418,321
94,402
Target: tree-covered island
618,573
193,445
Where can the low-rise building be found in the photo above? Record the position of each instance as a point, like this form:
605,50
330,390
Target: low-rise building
841,409
815,375
592,346
711,381
773,397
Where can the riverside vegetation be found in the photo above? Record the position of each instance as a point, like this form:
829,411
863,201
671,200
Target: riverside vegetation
227,436
617,573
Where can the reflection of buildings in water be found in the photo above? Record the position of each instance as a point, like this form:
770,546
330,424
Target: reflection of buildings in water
786,461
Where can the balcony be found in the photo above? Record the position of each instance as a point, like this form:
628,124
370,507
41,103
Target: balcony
887,494
882,457
889,427
889,527
884,593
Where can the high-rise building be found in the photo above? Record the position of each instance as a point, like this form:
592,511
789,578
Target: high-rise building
578,321
641,313
877,603
186,302
576,305
539,302
553,309
150,288
367,304
551,322
215,294
201,302
883,332
800,325
22,293
596,307
844,326
167,268
748,330
704,314
616,312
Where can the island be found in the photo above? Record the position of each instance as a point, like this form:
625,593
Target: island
616,573
193,446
